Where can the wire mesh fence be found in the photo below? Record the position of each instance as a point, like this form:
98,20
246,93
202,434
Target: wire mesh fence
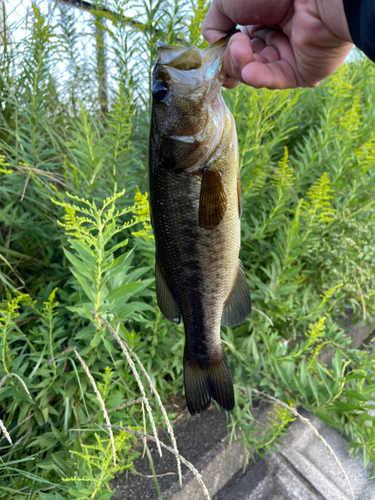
73,69
68,66
91,48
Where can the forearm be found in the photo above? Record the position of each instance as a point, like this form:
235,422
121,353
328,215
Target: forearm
333,15
351,20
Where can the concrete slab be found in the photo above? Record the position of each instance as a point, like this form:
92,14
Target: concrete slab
304,469
201,440
270,480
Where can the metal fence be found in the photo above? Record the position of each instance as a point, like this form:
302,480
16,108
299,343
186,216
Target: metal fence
91,44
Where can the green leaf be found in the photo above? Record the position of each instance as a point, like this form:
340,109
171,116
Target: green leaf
58,435
366,458
303,373
124,290
313,386
123,312
62,465
325,380
282,374
254,348
86,285
45,414
336,364
122,261
114,271
84,251
119,245
82,311
355,445
286,289
137,273
96,340
39,418
82,494
80,266
50,496
31,476
301,388
107,344
323,415
355,395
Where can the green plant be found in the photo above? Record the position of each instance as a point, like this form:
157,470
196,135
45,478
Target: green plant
306,249
95,468
306,160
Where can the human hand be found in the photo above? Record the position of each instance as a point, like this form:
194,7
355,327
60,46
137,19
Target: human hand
283,43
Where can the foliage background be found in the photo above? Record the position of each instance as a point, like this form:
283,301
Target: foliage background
74,103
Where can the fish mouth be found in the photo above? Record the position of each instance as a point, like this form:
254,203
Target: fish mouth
210,59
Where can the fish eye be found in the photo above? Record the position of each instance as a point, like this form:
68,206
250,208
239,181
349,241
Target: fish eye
160,91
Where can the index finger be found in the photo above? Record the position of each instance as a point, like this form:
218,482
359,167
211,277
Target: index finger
216,24
224,15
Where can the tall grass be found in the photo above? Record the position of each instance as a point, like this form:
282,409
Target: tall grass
74,124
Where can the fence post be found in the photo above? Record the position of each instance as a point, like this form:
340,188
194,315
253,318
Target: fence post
3,24
101,62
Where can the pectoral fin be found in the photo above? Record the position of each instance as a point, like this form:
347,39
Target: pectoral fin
238,305
213,200
167,305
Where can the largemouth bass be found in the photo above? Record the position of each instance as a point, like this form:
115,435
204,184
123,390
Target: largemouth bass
195,199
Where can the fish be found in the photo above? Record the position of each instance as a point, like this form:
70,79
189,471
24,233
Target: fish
195,208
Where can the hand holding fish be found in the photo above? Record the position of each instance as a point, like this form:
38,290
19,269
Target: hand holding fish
283,44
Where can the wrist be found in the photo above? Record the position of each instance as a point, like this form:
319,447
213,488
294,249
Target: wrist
332,13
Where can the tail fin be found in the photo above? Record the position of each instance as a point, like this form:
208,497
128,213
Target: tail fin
202,384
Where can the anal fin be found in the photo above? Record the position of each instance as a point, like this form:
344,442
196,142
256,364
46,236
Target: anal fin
167,305
237,307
